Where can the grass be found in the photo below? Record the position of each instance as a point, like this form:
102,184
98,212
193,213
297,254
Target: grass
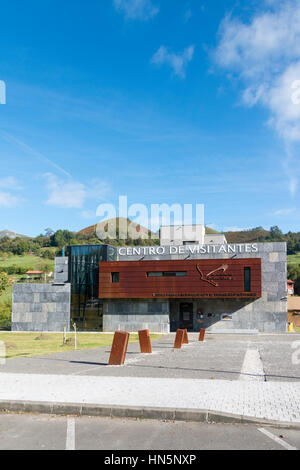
6,294
37,344
297,328
26,260
294,259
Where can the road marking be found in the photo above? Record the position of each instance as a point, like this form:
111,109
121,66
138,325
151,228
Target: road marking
252,369
277,439
70,441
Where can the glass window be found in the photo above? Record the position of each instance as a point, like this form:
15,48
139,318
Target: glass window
115,277
175,274
167,274
247,279
86,307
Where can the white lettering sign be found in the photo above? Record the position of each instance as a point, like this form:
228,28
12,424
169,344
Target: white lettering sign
187,250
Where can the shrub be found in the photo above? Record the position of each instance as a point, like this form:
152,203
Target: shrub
5,314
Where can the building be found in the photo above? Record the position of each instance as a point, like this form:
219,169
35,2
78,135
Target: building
221,287
290,287
189,235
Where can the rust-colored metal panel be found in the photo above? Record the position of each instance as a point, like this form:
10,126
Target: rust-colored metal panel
179,339
202,334
119,348
217,278
145,342
185,337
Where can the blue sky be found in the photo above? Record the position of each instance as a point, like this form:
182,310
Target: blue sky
165,101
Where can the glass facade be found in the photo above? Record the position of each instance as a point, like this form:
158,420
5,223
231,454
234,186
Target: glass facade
86,308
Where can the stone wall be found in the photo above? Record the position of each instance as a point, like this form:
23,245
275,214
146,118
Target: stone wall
61,270
135,315
41,307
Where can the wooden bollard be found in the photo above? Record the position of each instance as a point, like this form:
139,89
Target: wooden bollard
119,348
179,339
202,334
145,342
185,337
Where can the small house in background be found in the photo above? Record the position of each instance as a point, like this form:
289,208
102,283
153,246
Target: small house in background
294,310
290,287
34,274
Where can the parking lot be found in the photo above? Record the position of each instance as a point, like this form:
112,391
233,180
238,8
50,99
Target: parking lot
220,357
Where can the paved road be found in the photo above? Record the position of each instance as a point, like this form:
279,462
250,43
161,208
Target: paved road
220,357
33,432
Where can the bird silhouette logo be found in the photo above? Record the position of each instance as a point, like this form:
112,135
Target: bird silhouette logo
205,277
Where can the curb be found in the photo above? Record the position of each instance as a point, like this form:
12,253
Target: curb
168,414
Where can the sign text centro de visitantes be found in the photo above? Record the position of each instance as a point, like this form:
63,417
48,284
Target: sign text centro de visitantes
188,250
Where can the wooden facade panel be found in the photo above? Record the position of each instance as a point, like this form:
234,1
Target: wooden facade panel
219,278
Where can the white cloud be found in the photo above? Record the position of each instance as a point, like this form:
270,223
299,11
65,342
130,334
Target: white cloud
8,200
178,62
89,214
265,54
285,211
136,9
65,194
98,189
9,182
70,194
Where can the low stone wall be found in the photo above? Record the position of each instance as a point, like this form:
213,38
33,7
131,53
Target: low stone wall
41,307
136,315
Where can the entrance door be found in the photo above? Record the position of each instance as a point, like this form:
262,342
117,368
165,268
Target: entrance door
186,316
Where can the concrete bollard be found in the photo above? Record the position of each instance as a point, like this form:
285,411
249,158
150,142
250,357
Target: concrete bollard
202,334
145,342
179,339
119,348
185,337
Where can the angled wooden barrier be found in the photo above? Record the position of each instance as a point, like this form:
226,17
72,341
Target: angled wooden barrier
202,334
179,339
119,348
145,342
185,337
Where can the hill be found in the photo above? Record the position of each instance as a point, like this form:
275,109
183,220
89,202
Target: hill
107,227
10,235
248,236
210,231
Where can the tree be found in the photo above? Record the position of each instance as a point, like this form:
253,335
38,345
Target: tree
3,282
276,233
49,232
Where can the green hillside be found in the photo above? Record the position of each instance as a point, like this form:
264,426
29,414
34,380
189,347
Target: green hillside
294,259
210,231
248,236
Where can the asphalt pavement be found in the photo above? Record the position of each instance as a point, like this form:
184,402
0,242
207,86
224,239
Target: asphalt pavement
46,432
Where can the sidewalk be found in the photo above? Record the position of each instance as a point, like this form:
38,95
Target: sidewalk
275,401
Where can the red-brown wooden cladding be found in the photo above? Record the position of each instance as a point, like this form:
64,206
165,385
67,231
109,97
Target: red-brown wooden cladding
198,283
